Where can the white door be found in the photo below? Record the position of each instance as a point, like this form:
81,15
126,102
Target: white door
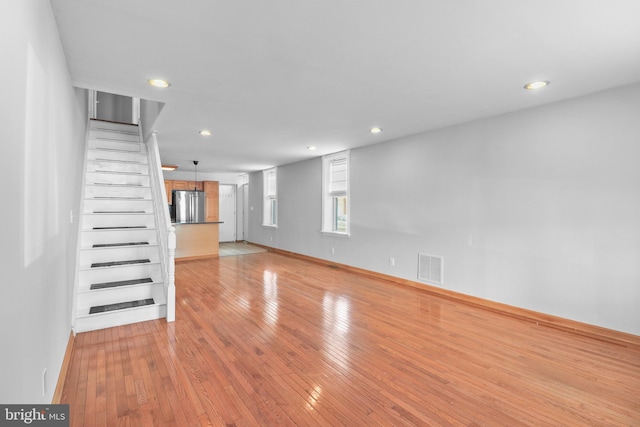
245,215
227,205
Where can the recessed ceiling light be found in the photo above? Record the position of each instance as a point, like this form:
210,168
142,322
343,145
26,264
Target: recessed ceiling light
205,132
311,147
169,167
536,85
376,130
159,83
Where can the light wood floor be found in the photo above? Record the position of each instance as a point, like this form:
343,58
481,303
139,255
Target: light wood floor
267,340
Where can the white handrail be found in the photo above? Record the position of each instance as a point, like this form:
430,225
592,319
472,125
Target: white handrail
166,234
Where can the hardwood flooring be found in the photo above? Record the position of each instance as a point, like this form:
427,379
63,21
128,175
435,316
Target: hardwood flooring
269,340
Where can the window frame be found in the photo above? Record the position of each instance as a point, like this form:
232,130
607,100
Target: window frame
342,180
270,200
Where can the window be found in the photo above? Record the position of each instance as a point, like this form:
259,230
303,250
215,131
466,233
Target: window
335,193
270,194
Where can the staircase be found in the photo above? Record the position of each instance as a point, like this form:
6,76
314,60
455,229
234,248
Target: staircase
120,276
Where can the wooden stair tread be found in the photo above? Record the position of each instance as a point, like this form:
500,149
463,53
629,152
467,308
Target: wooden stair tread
115,137
121,227
104,184
118,263
116,197
112,245
105,285
115,184
121,306
118,172
115,122
121,151
121,212
116,132
135,162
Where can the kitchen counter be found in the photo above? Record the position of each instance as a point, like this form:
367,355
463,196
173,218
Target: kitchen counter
197,240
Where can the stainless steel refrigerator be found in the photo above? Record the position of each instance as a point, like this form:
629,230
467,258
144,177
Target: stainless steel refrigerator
188,205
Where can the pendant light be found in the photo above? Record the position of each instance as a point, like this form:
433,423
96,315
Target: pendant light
195,178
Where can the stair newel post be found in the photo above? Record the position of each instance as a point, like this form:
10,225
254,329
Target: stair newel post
171,276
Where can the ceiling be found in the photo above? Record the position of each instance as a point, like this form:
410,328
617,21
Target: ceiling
270,78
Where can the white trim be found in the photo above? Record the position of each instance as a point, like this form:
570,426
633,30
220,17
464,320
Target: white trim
135,110
336,233
93,103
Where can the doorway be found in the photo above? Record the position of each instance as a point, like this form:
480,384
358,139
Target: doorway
227,209
114,108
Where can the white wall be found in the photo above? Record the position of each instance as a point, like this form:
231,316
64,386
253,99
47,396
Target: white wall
42,134
537,209
149,112
115,108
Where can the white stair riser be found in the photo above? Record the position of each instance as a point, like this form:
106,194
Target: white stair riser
99,191
90,238
119,317
97,154
89,299
116,274
117,166
90,256
118,178
112,126
93,205
89,221
113,135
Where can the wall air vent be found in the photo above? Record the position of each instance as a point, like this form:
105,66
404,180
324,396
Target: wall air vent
431,268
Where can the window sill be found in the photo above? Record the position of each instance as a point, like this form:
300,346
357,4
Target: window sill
270,225
335,233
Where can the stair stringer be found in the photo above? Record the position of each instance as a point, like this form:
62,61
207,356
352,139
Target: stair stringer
76,278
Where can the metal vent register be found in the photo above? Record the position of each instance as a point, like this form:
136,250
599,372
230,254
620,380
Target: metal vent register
430,268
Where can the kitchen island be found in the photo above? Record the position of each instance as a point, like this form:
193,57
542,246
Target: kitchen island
196,240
